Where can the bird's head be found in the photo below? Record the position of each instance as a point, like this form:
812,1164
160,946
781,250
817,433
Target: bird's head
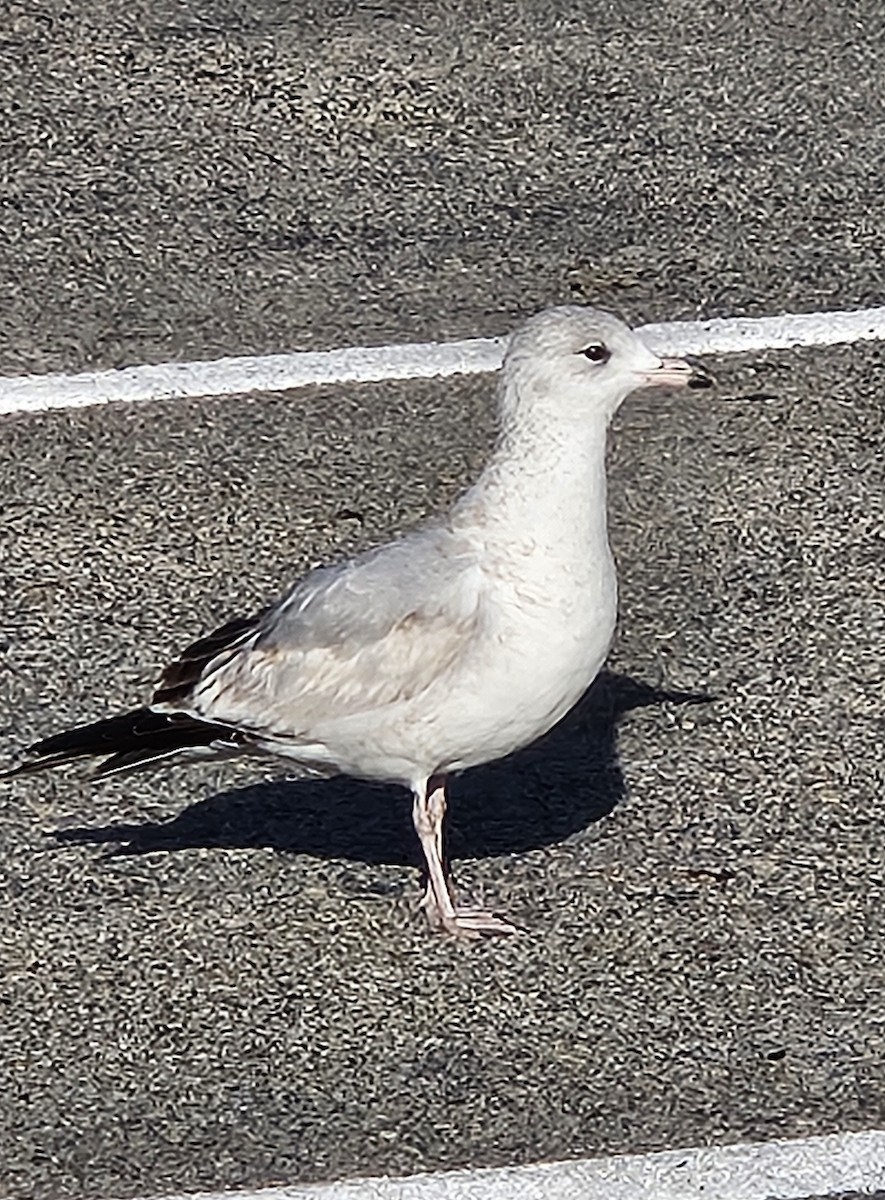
584,362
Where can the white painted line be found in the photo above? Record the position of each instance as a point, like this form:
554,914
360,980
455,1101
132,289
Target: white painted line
353,364
779,1170
734,335
234,376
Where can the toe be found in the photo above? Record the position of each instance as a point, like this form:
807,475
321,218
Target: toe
477,922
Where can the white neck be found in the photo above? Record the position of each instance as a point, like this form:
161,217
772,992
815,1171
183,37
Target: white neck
544,483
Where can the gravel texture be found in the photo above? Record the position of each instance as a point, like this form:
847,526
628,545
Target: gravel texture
182,180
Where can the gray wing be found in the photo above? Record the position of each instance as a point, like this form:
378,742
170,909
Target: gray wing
350,638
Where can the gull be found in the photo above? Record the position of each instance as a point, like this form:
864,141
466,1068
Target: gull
452,646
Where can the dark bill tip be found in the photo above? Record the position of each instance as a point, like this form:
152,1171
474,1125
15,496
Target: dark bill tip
700,380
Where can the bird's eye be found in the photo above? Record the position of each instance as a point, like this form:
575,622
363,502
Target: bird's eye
597,352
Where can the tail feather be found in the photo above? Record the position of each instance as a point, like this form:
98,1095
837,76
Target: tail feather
126,742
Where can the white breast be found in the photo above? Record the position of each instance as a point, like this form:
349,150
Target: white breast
545,637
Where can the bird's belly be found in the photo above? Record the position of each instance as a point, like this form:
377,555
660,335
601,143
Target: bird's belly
527,668
529,690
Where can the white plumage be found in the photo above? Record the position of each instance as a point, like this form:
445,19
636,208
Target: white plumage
451,647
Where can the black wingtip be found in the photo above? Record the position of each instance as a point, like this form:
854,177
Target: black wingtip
124,742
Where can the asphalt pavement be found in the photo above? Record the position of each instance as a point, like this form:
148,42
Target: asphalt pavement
246,995
183,180
214,978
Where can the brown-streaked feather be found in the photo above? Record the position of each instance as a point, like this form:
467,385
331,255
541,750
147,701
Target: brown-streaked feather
183,672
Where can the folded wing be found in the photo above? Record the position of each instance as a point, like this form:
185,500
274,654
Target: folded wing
372,632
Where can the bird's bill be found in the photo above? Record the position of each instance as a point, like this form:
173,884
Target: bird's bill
675,372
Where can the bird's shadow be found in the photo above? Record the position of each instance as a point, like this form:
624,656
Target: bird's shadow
557,786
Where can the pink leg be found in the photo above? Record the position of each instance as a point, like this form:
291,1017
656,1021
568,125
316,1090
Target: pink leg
439,904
